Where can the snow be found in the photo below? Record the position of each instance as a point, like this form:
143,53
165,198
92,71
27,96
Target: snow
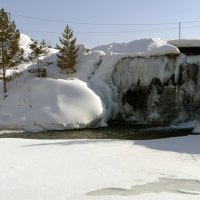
50,104
88,169
56,102
24,43
93,169
185,42
142,47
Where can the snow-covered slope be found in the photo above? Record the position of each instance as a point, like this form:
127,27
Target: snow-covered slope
143,47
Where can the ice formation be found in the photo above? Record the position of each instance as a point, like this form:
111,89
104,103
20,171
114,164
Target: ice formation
152,89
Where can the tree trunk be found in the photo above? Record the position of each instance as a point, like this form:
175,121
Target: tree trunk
4,78
3,69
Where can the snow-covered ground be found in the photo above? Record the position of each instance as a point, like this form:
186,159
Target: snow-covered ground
100,169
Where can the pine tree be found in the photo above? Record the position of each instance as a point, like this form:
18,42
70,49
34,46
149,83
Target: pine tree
43,43
68,51
10,52
38,50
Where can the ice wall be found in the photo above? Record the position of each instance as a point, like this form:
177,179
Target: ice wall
163,88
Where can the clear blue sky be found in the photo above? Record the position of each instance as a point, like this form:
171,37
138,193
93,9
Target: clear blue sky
105,12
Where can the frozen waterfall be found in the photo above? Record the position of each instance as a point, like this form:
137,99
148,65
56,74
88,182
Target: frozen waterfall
159,89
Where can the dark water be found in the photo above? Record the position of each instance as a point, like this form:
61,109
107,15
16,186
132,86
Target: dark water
113,131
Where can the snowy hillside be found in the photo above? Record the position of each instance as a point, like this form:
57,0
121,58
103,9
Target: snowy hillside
145,80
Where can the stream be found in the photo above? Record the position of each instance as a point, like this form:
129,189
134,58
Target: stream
125,131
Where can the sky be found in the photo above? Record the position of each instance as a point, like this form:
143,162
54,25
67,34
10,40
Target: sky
98,22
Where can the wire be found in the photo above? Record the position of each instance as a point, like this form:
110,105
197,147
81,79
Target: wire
190,22
93,24
101,32
107,24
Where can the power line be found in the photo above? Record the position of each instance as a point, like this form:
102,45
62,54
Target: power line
178,24
103,24
105,32
101,32
93,24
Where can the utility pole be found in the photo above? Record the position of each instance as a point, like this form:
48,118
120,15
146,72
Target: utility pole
179,30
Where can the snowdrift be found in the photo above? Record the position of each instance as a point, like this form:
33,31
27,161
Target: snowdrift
143,47
46,104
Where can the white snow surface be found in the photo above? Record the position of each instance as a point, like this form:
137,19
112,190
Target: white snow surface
86,169
142,47
24,43
185,42
50,104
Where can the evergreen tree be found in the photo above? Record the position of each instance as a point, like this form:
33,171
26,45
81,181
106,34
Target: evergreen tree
68,51
38,50
43,43
10,52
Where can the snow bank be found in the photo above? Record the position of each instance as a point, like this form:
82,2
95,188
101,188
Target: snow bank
78,169
185,43
39,104
143,47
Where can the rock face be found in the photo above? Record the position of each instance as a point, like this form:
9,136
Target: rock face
157,89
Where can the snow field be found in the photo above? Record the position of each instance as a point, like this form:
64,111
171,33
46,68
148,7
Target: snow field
72,169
